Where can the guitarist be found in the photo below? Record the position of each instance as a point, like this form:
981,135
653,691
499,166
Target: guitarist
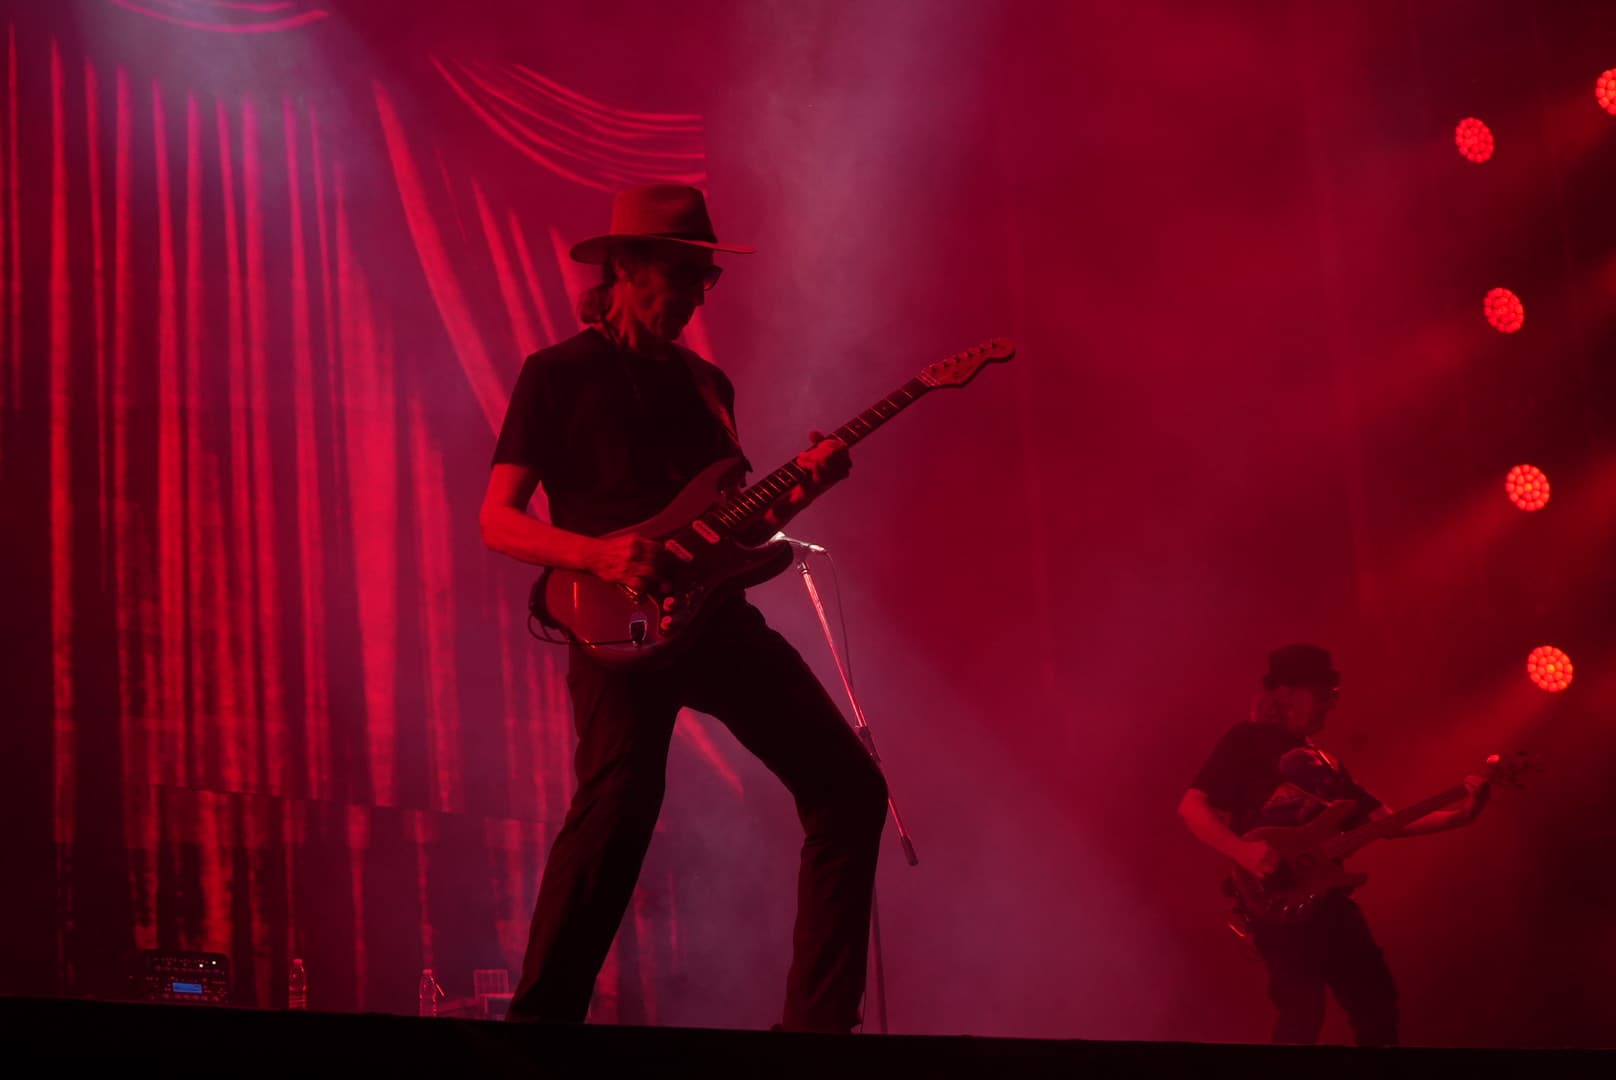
1268,772
613,422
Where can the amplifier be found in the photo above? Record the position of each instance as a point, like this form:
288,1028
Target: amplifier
187,978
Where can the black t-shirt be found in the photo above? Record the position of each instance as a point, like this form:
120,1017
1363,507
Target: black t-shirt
615,435
1262,774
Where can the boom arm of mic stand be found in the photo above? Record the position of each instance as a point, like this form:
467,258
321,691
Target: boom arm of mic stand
860,726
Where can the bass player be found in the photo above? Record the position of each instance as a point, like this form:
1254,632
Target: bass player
1268,772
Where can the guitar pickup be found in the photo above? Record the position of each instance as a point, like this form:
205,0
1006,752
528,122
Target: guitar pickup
705,531
679,551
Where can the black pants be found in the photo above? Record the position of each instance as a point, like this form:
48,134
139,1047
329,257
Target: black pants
1333,950
755,683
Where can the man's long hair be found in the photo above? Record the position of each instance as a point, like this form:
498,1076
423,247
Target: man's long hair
595,301
1267,707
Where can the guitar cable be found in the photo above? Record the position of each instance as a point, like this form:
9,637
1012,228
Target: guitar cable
536,613
540,632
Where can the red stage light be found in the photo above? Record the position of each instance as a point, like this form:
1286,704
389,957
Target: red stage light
1474,139
1605,91
1549,668
1528,487
1504,310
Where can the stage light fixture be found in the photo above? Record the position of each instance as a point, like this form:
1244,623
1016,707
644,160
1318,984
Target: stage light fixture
1605,91
1528,487
1474,139
1504,310
1549,668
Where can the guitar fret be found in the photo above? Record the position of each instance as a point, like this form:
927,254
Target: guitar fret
1347,843
754,500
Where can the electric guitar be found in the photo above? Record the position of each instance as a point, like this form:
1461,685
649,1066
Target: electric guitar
1310,866
702,533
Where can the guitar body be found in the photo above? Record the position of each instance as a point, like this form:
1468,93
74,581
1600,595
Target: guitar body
705,564
1305,875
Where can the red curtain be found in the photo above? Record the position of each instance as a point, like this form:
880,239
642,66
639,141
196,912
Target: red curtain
257,338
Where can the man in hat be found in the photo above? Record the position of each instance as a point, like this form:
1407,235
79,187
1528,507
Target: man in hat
1268,772
613,422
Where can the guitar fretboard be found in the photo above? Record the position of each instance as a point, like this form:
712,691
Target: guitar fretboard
1348,842
752,502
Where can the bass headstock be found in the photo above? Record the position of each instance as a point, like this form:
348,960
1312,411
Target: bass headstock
1507,770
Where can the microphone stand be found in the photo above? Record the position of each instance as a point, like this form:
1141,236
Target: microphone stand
861,727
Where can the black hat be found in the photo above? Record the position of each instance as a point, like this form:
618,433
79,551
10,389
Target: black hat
662,213
1300,665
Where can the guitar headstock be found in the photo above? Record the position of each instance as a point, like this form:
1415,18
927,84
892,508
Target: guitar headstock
1507,770
961,368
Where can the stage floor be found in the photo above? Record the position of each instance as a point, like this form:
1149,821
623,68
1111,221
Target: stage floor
201,1041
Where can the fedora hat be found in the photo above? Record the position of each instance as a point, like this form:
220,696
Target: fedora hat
1301,665
672,213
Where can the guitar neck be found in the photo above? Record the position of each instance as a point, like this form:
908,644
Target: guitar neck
1348,842
753,502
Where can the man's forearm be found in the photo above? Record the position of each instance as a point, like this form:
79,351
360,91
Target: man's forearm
524,537
1210,829
1434,822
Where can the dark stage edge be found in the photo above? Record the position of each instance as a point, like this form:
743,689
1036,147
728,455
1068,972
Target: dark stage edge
198,1041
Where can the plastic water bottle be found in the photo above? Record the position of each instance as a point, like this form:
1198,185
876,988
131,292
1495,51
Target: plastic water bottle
430,992
297,986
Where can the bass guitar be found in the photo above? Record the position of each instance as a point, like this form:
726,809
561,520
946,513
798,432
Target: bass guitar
1312,855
